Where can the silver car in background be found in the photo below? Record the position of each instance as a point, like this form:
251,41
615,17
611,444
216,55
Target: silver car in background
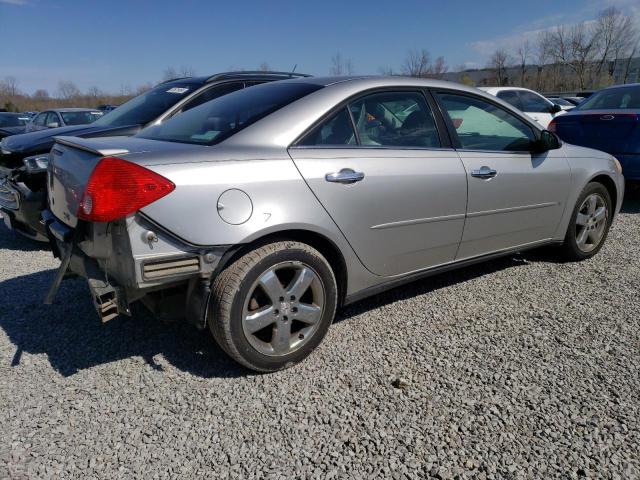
260,213
63,117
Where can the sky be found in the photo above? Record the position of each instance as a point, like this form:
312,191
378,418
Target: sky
116,44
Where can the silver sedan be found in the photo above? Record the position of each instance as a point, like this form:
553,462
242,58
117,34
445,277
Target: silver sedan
260,213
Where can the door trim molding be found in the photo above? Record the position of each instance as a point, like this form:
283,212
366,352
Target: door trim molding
417,221
512,209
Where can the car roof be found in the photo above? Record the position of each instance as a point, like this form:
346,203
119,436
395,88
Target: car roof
375,81
625,85
502,89
236,75
64,110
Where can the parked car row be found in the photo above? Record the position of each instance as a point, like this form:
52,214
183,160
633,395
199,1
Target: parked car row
256,206
12,124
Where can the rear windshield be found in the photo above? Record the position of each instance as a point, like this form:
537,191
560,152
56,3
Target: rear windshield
147,107
613,99
12,120
80,118
212,122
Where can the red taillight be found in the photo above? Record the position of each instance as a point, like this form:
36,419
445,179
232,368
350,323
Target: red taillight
552,125
117,188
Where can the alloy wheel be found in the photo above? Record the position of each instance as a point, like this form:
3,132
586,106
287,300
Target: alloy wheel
283,308
591,222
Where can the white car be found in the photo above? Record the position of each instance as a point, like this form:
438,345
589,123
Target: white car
531,103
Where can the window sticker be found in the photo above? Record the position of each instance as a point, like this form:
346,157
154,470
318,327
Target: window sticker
177,90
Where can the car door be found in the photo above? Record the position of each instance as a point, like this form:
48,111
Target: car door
389,179
39,122
53,120
515,197
537,107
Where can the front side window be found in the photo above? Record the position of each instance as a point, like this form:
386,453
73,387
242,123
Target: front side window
336,131
52,117
613,99
80,118
511,97
398,119
534,103
214,121
41,119
480,125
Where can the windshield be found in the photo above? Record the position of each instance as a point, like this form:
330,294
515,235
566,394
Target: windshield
147,107
613,99
212,122
12,120
80,118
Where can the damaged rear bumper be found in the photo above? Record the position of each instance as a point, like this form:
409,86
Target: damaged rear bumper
130,260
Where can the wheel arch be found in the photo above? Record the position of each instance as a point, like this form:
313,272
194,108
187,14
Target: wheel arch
611,187
320,242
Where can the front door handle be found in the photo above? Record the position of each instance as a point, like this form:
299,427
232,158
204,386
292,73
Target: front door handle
484,172
346,175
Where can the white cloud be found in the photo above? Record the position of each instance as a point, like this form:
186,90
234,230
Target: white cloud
15,2
531,31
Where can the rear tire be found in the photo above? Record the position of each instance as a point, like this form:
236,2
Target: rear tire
273,306
589,225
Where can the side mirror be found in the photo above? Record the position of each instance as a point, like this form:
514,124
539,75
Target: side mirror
53,125
556,108
547,141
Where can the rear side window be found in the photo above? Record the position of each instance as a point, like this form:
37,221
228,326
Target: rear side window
533,103
389,119
336,131
214,121
212,93
614,99
480,125
511,97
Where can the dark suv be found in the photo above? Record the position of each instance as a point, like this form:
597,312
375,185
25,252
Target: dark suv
24,158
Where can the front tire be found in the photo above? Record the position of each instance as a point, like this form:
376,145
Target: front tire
590,222
273,306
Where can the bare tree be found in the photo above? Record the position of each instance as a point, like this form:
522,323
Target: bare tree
498,63
542,56
439,67
576,47
169,74
68,90
9,87
187,71
341,66
417,63
523,54
387,71
264,67
94,93
40,94
143,88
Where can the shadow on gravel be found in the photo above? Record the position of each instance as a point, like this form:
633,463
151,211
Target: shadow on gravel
430,284
73,338
13,241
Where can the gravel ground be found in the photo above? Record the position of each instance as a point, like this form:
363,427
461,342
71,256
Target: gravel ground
518,368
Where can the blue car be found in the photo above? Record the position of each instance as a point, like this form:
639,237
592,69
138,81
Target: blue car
609,120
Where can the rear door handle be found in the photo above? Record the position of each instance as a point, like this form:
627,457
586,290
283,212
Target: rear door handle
484,172
346,175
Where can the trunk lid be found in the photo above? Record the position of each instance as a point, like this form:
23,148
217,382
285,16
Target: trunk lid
612,131
72,161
